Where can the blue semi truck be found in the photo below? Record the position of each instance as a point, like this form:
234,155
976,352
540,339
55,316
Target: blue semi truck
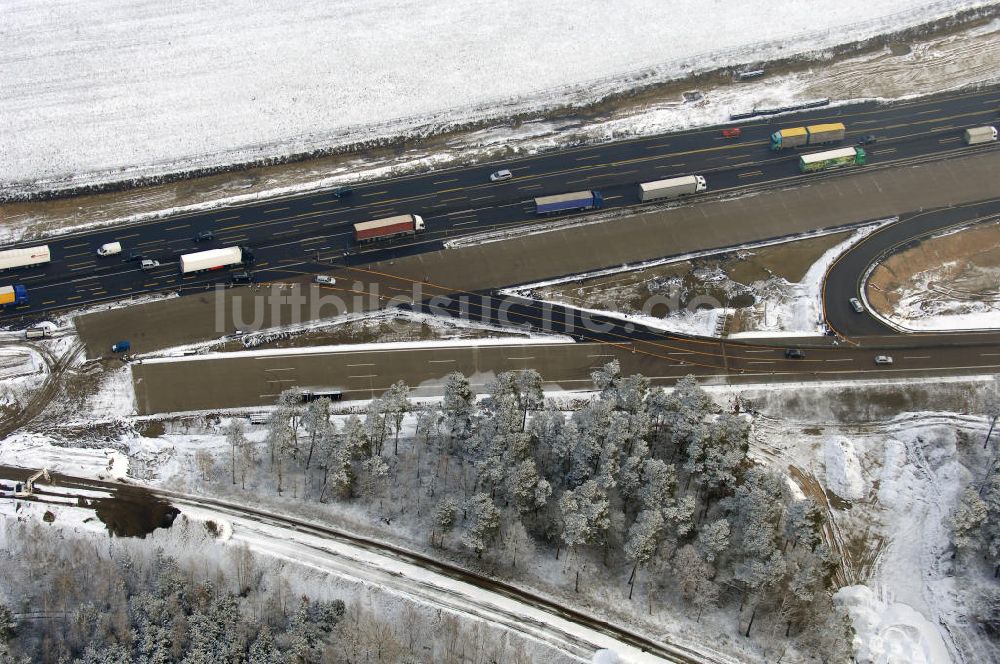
577,200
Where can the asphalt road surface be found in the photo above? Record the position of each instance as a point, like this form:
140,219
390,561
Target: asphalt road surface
846,276
289,234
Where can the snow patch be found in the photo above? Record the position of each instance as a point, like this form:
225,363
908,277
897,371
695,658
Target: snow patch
843,469
888,632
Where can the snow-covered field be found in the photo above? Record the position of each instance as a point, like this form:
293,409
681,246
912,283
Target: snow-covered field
99,93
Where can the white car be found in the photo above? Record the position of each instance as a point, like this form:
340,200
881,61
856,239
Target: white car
856,305
324,279
500,176
883,359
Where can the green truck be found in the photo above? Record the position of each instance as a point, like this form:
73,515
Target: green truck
822,161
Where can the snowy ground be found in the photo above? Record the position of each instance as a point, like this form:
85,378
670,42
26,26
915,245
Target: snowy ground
151,88
890,483
948,282
780,308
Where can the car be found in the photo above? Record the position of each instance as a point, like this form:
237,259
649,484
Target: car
120,347
501,175
204,236
794,353
135,256
148,264
883,359
243,277
342,192
732,132
856,305
324,279
867,140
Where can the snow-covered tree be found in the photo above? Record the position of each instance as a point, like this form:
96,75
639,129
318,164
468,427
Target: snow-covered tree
689,570
804,521
659,484
316,421
584,512
457,406
526,488
715,453
397,405
967,520
713,539
237,438
643,538
483,523
444,516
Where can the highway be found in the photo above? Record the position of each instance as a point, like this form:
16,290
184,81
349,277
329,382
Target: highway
290,235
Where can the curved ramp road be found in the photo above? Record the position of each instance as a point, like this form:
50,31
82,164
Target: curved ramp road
845,278
289,235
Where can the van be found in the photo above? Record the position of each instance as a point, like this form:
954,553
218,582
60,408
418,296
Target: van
109,249
149,264
120,347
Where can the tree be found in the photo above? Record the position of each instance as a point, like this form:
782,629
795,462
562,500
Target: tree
316,421
484,522
236,437
713,539
397,405
967,520
715,453
584,514
643,538
444,517
804,521
690,570
457,406
8,626
263,650
529,392
528,491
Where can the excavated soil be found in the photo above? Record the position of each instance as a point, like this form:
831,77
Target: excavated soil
960,267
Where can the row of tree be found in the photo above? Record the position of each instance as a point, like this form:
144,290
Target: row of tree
653,487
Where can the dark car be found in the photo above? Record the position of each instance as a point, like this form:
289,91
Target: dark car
204,236
867,140
342,192
243,277
794,353
135,256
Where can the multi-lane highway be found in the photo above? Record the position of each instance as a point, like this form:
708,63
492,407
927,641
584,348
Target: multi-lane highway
289,234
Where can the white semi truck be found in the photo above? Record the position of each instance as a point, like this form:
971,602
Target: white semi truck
978,135
213,259
15,258
672,188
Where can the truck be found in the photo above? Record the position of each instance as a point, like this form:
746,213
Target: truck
213,259
978,135
109,249
672,188
821,161
577,200
15,295
812,135
14,258
390,227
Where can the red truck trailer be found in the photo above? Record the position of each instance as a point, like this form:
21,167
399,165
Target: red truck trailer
390,227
